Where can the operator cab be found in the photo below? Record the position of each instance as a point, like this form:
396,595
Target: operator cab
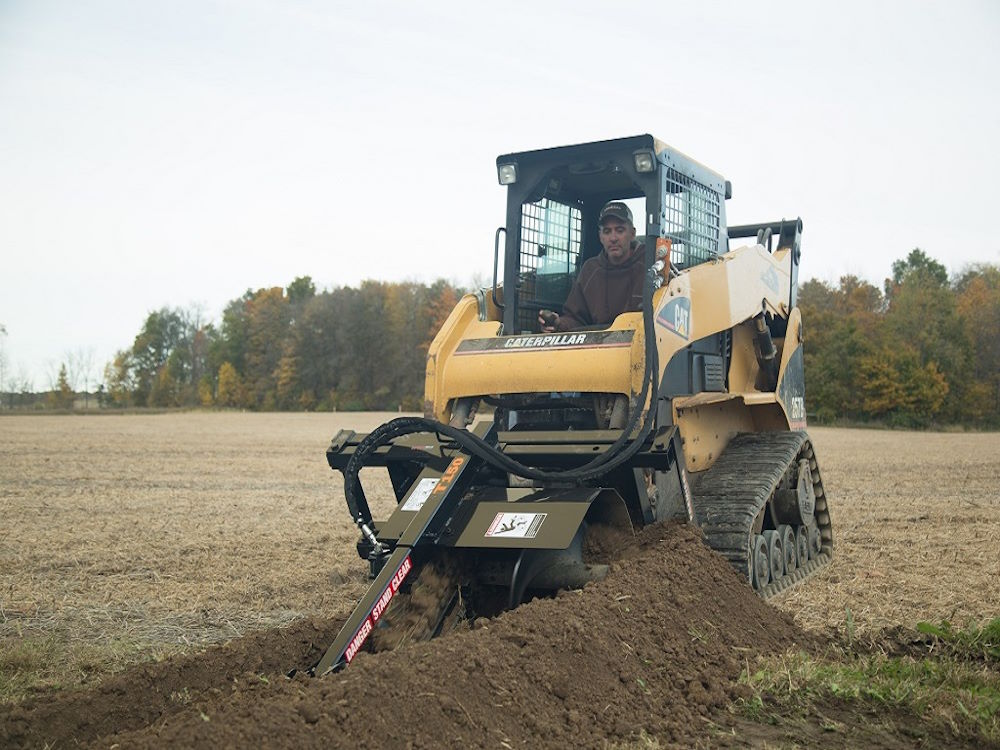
554,197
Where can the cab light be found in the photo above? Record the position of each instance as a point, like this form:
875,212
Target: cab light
507,174
645,161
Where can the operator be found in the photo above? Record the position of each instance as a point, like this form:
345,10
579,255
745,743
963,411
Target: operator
608,284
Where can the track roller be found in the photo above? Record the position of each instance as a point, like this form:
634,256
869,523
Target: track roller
788,547
802,544
775,555
815,542
759,561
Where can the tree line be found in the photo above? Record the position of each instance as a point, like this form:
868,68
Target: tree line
923,349
288,348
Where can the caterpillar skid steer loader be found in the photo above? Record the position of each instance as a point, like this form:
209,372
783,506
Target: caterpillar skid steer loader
535,444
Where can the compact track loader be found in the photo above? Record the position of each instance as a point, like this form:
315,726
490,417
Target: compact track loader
691,409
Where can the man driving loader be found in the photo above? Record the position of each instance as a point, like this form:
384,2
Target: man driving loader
608,284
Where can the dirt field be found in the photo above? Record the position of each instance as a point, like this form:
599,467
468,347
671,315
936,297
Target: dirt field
125,539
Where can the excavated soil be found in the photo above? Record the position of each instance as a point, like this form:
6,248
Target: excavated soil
160,574
655,647
151,693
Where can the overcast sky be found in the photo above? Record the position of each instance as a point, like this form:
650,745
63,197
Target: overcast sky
178,153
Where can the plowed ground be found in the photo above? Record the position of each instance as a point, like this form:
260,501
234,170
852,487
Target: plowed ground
160,574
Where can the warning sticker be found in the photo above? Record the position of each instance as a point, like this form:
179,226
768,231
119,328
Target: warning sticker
420,494
378,610
516,525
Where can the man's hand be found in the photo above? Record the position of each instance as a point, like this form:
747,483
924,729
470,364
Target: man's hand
547,321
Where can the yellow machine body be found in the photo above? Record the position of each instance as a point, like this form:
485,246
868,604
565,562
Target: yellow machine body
723,294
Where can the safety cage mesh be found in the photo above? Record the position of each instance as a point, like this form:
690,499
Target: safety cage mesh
550,247
690,219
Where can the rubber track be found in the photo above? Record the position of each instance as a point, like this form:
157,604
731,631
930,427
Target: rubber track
730,495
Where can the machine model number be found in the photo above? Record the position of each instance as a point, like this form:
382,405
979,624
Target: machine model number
449,475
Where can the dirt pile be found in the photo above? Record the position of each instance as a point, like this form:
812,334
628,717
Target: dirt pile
151,692
656,646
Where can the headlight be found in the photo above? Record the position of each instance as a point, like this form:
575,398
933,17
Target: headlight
507,174
645,161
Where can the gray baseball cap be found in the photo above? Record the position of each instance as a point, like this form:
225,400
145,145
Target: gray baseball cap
617,209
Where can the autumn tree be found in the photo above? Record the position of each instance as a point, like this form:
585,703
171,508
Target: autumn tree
230,389
922,317
441,300
268,317
61,396
902,357
841,329
165,391
119,380
287,384
978,304
206,391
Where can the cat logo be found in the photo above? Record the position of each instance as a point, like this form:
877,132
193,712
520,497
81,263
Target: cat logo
770,279
676,316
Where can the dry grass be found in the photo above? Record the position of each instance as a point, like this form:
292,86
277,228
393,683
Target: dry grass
143,535
916,530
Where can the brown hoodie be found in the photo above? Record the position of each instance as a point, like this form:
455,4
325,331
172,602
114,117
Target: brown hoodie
603,291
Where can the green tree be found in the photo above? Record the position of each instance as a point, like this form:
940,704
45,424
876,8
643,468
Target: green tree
234,339
922,316
363,381
920,266
841,329
317,344
301,290
169,356
161,334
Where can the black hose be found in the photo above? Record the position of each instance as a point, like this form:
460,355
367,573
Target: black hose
616,454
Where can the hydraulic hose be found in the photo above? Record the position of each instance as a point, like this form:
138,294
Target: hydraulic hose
617,453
